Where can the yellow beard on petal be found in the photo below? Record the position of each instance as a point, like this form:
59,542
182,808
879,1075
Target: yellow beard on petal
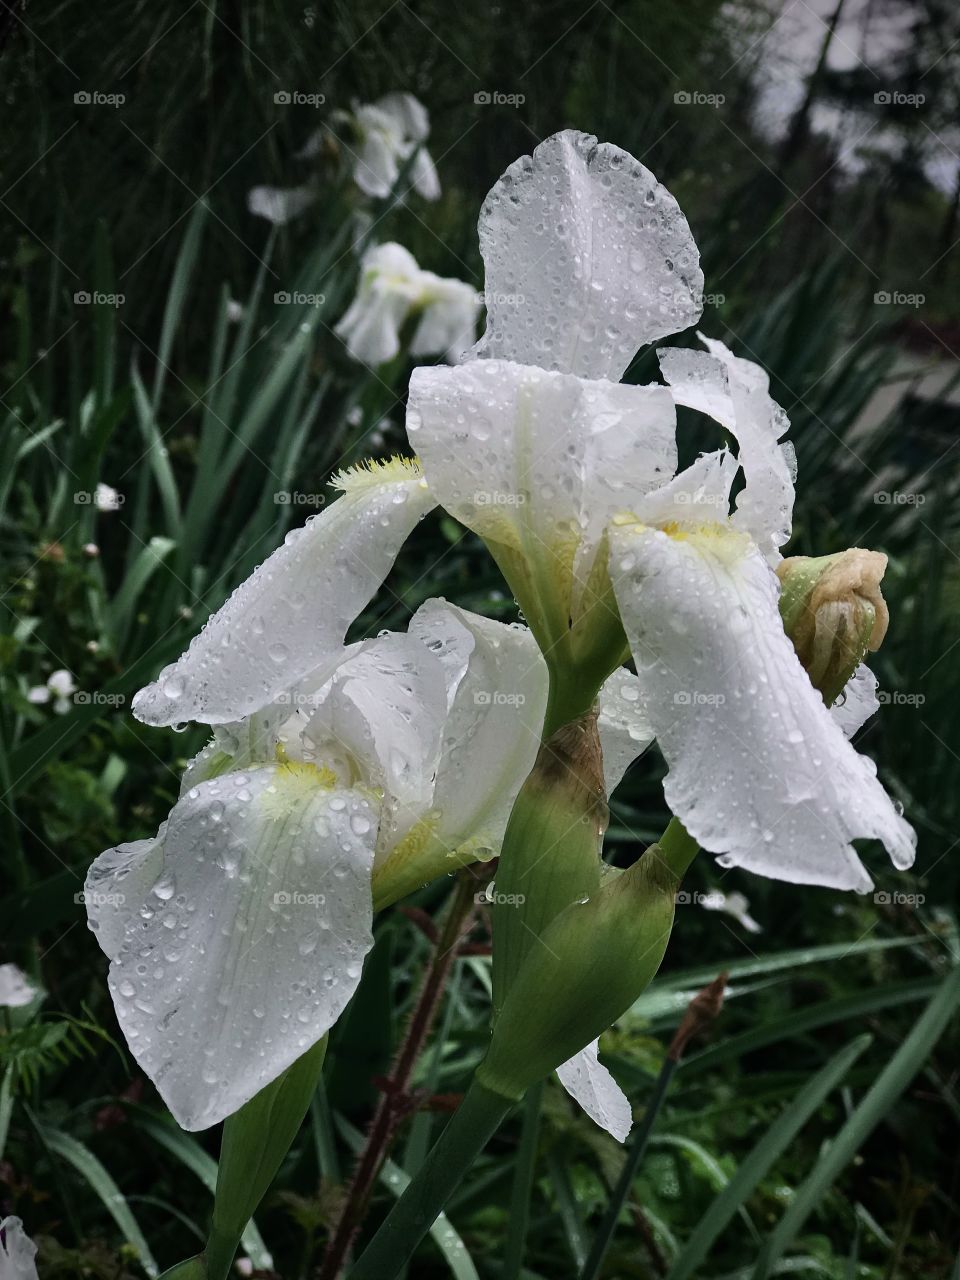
374,471
292,782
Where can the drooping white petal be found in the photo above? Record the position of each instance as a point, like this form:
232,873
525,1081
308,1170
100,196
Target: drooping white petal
293,612
539,461
425,179
733,392
16,989
587,259
116,886
491,734
701,492
625,732
591,1085
250,944
759,770
17,1252
280,205
858,702
448,321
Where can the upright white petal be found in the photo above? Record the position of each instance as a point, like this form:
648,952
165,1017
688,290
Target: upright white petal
16,989
250,944
388,288
759,770
293,612
537,461
379,151
590,1083
17,1252
733,392
587,259
280,205
858,702
625,732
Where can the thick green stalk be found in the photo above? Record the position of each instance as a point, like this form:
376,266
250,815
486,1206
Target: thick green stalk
473,1124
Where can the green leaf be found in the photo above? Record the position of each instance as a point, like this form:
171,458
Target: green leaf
760,1160
877,1103
114,1201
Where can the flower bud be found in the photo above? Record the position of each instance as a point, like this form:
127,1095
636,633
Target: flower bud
833,612
588,967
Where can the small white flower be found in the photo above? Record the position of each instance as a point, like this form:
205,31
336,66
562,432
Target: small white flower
235,311
393,288
60,685
16,990
91,550
107,498
390,131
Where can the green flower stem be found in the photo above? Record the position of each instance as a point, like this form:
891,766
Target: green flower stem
473,1124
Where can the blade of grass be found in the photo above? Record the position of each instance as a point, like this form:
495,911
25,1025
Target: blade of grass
876,1103
522,1185
761,1159
89,1167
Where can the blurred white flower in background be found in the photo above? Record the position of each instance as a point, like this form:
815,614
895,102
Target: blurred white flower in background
16,990
393,288
732,904
106,498
60,686
380,138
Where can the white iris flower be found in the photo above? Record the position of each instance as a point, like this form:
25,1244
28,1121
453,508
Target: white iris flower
17,1252
340,777
392,288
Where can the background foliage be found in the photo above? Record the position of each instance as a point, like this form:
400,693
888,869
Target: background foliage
201,419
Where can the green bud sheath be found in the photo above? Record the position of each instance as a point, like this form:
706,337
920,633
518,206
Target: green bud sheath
551,848
833,612
589,965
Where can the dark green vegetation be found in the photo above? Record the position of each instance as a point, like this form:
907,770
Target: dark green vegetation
838,1026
